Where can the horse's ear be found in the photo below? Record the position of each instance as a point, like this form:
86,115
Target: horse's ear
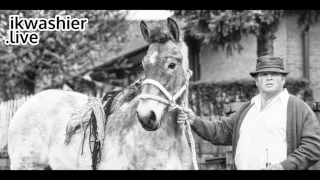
145,31
174,29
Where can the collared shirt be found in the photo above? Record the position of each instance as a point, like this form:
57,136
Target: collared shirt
263,134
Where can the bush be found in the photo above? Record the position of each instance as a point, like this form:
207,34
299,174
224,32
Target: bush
207,99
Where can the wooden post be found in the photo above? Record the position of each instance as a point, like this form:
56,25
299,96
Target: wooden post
229,158
4,160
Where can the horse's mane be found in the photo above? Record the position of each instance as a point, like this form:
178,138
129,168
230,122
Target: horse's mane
159,32
132,91
126,95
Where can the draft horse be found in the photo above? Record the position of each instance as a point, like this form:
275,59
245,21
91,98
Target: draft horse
141,133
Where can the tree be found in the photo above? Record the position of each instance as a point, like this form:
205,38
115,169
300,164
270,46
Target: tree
60,55
307,18
225,28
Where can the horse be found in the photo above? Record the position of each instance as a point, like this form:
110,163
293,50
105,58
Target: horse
140,134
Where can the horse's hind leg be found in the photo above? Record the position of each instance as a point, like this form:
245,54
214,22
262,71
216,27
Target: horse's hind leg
26,163
48,168
27,157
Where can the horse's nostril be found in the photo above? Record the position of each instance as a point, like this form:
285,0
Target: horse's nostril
152,116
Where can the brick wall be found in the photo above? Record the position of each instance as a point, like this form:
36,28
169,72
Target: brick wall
294,47
314,58
280,44
293,37
216,66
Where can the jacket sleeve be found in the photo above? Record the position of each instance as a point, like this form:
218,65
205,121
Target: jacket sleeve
218,132
308,153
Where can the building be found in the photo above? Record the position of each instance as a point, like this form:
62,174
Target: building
298,48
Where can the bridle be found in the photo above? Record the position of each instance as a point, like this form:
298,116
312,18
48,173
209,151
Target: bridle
171,102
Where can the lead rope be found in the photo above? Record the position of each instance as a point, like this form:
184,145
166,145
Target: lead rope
192,144
173,105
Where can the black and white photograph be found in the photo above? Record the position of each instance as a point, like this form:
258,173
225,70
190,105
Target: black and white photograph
159,89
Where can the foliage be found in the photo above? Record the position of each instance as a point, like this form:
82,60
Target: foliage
306,18
225,28
60,55
207,99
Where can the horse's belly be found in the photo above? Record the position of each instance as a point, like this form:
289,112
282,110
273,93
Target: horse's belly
71,156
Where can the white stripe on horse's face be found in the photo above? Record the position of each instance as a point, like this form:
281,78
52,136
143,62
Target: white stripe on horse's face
153,57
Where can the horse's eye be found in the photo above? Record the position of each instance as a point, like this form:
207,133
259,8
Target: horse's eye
172,66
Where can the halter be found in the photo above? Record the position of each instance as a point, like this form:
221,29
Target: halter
171,102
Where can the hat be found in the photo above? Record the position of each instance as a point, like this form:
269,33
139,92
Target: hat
269,64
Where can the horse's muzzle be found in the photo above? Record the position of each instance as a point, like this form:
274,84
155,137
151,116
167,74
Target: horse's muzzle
148,121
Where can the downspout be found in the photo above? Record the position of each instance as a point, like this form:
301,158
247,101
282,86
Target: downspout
306,65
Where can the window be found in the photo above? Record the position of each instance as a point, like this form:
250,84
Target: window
194,50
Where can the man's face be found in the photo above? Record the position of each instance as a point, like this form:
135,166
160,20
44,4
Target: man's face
270,82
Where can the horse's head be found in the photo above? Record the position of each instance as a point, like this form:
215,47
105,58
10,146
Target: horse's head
166,72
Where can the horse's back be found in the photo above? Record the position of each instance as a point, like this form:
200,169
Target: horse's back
32,127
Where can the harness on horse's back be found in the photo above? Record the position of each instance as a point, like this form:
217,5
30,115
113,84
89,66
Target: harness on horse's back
98,118
96,152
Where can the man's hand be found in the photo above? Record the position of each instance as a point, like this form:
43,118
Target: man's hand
185,114
274,167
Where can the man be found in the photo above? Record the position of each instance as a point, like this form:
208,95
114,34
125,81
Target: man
273,131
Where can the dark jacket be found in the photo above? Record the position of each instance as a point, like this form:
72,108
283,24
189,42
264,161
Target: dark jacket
303,133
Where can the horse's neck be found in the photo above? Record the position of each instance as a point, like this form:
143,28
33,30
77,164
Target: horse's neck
171,126
125,132
178,136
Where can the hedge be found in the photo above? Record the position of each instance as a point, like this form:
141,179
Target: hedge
207,98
